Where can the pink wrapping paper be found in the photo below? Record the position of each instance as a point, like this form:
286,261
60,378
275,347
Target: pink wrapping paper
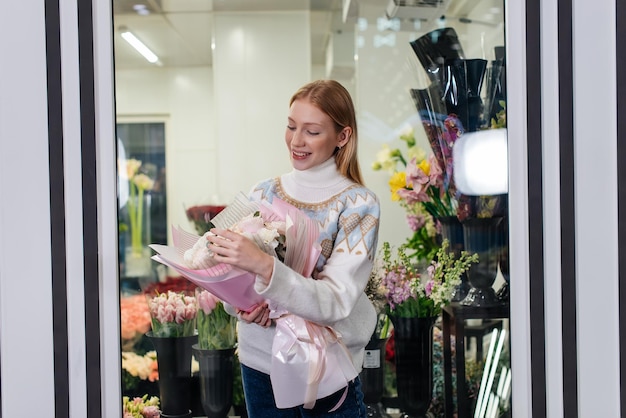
309,362
232,285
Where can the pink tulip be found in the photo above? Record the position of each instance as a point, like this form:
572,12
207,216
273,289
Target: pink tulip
207,301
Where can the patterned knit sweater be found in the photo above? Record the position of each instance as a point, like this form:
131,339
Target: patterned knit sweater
348,215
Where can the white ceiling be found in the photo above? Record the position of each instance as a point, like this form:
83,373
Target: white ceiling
179,31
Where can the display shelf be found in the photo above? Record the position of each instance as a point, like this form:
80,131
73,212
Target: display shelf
454,316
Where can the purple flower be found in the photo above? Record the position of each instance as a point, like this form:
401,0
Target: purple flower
416,222
428,288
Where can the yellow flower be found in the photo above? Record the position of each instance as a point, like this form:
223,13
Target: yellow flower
397,182
424,166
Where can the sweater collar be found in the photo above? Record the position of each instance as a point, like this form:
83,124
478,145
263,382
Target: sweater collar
323,175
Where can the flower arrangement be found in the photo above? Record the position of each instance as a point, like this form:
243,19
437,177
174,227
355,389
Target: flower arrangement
423,242
268,235
138,183
173,314
139,367
135,319
200,216
217,330
411,295
143,407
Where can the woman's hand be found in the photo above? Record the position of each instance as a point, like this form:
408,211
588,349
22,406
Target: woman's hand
259,315
232,248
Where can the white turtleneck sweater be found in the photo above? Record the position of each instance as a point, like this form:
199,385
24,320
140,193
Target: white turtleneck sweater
348,215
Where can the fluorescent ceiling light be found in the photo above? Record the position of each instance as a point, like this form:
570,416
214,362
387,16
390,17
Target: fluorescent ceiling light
139,46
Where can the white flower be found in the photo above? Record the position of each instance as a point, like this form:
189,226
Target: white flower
416,152
198,256
143,182
385,160
138,366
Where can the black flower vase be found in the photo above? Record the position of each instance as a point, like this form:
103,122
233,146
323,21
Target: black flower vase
414,364
483,237
174,363
475,70
452,230
216,380
373,377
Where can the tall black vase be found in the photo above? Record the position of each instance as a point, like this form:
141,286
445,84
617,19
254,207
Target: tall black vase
174,362
483,237
452,229
414,364
216,380
373,377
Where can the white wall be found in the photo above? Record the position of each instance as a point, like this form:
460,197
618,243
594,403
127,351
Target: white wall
183,98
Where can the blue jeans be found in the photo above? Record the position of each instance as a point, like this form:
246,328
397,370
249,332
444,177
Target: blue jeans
260,402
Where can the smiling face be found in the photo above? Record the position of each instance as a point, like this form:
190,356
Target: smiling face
311,135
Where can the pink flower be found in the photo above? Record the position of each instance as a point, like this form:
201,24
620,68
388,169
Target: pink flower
151,412
435,177
207,301
428,288
413,196
415,177
250,224
416,222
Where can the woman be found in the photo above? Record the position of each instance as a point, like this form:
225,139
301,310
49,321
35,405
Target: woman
326,184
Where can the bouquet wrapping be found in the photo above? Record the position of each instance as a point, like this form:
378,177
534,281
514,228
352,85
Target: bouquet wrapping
309,361
190,258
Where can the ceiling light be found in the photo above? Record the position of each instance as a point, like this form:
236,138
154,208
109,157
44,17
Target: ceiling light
141,9
139,46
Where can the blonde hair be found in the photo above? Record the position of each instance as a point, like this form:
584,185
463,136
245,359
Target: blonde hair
333,99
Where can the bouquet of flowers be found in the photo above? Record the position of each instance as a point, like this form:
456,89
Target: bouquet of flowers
217,330
143,407
173,314
411,295
268,225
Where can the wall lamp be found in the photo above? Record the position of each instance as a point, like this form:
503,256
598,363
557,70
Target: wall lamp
139,46
481,163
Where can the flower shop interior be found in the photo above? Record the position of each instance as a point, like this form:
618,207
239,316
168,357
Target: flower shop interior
196,93
189,121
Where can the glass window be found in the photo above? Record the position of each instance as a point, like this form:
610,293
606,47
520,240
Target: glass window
425,76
